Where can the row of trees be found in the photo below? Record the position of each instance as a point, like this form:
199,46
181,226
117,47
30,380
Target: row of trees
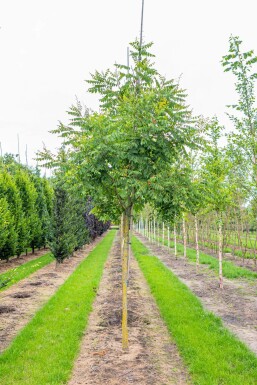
26,208
36,212
217,183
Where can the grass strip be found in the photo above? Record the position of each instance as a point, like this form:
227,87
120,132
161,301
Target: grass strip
230,270
15,275
44,352
213,355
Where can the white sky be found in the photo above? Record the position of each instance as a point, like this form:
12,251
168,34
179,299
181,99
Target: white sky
48,48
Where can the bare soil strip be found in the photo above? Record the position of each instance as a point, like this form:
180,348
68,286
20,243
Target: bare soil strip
18,261
152,357
19,303
236,304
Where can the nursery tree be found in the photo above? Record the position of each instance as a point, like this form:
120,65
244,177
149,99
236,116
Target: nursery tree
244,138
216,186
9,192
30,220
142,126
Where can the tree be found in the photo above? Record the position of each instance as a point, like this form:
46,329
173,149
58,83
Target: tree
142,126
244,138
10,194
8,236
62,237
30,228
216,187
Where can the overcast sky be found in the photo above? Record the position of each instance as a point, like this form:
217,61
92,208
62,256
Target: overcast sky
48,48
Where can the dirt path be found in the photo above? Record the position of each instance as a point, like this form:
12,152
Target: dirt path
19,303
15,262
152,357
236,304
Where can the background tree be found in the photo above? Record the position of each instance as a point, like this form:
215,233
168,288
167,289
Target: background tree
244,137
216,187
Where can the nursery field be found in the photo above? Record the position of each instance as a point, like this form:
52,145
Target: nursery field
140,229
68,319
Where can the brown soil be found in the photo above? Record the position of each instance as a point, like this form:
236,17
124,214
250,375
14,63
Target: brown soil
152,358
17,261
19,303
236,304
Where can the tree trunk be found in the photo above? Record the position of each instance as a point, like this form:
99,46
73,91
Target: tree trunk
184,236
197,243
125,257
175,241
220,254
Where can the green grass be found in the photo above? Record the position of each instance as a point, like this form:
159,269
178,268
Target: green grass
213,355
44,351
15,275
230,270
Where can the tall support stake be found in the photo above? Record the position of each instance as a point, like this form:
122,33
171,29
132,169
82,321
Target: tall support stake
19,156
128,53
163,233
168,237
141,29
26,155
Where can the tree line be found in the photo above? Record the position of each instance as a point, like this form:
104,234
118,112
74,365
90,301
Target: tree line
37,212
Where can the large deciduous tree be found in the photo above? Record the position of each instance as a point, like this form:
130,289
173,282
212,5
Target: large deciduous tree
142,127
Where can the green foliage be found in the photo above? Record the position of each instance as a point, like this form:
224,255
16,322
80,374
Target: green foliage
173,191
215,168
62,237
6,223
68,231
141,128
214,356
244,138
29,200
11,205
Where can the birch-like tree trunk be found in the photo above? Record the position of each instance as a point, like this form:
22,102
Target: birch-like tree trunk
197,243
220,253
184,236
175,240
